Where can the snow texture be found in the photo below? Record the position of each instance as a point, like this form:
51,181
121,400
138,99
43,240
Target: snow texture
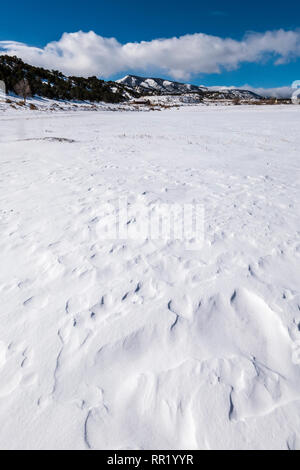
128,344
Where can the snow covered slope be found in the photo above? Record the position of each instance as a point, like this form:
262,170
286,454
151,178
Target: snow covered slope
143,344
12,104
52,84
159,86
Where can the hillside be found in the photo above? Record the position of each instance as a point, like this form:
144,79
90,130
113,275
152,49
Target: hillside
54,85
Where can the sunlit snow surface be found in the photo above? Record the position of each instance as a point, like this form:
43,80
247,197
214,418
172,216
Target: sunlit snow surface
90,353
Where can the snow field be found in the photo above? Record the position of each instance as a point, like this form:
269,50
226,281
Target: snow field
142,344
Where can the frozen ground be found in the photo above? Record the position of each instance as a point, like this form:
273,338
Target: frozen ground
143,344
12,104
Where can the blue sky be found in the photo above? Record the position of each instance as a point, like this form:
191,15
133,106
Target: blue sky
36,24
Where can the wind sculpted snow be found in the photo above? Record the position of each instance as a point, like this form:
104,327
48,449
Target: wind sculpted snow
144,344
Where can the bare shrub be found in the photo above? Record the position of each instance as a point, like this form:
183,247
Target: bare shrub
22,88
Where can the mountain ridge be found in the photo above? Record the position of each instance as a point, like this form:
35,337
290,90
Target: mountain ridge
160,86
146,84
53,84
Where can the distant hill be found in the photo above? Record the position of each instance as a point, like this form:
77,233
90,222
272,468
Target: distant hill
159,86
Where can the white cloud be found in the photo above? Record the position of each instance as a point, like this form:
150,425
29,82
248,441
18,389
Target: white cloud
88,54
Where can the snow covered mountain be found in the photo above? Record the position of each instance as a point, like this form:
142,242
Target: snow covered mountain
159,86
232,93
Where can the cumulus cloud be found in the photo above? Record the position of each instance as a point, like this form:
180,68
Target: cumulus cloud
88,54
